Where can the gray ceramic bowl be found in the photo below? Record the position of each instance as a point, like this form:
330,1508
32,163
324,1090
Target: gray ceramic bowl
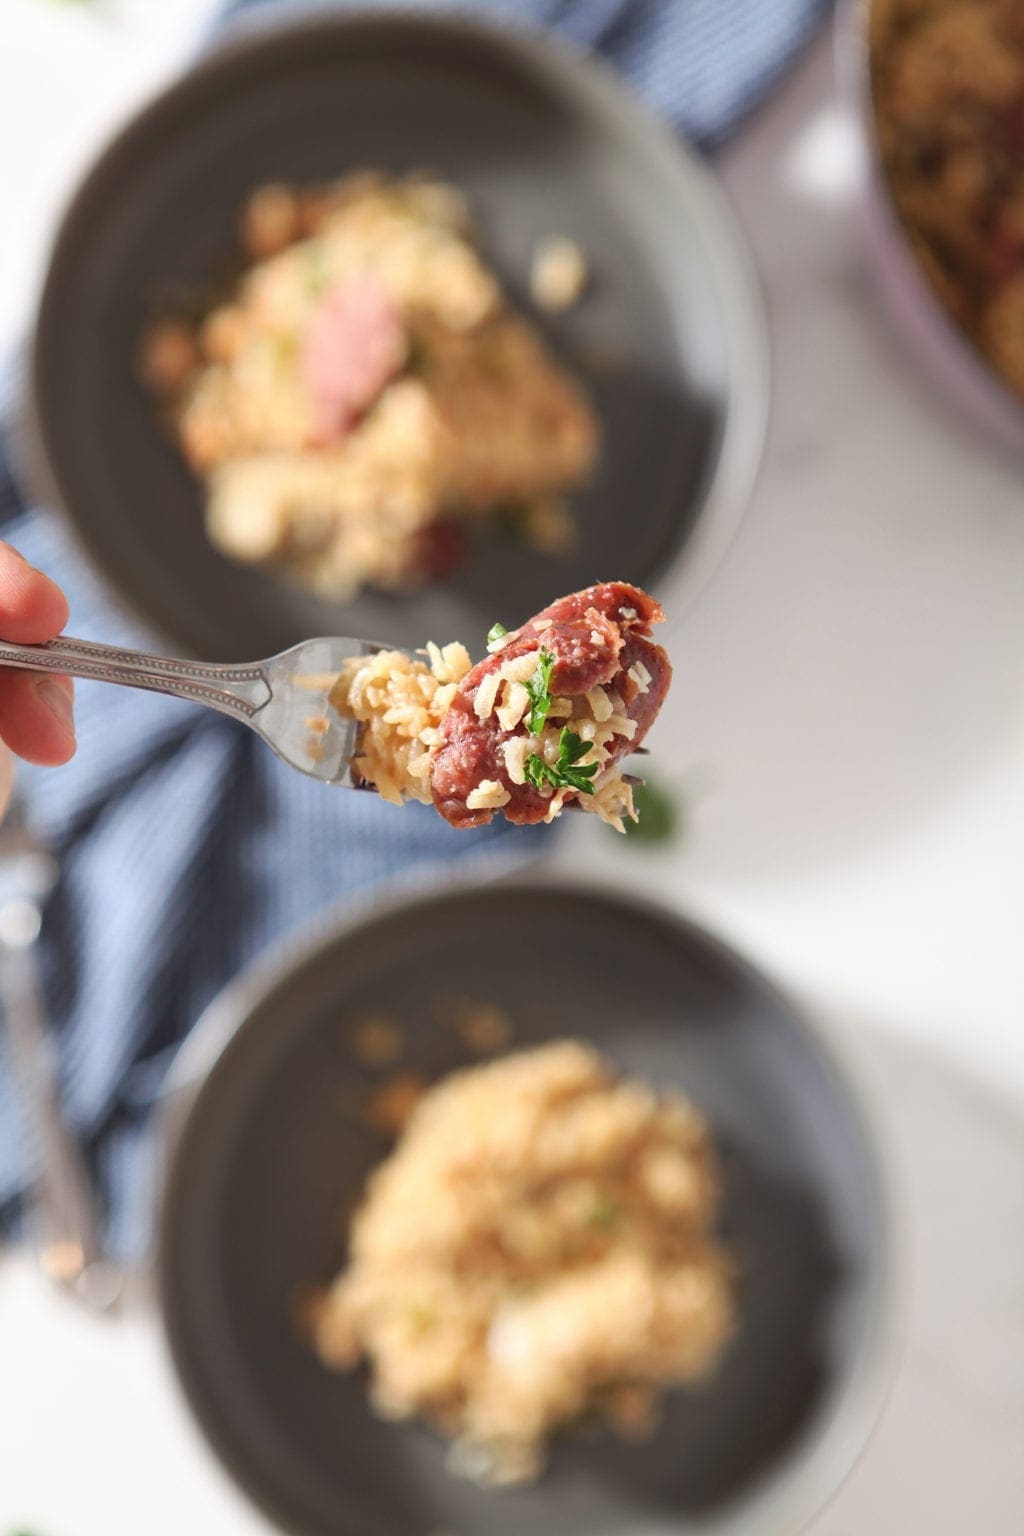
942,350
269,1150
543,141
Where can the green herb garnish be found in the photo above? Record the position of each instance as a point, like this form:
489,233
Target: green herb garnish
418,357
603,1214
316,270
512,521
284,348
539,688
657,814
496,632
422,1317
567,772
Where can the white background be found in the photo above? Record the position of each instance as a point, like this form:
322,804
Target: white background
849,707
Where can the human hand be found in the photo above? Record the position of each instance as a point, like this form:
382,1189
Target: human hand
36,720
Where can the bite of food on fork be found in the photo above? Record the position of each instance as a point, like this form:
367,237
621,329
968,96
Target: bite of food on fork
540,724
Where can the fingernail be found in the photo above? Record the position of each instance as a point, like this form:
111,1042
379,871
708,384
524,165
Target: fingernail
58,702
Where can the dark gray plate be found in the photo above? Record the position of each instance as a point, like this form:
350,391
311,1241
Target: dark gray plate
271,1152
542,141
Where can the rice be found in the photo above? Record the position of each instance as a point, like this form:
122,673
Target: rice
517,702
463,409
515,752
482,1027
376,1039
488,795
400,702
529,1201
558,273
640,676
520,668
487,695
600,704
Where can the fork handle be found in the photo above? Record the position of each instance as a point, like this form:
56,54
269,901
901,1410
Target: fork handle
240,691
67,1221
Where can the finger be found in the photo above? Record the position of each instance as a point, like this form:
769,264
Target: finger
6,779
32,607
36,718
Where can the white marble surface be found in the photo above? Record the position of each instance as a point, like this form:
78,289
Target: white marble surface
849,696
850,713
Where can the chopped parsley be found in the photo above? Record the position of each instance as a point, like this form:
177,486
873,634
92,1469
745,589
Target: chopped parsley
422,1317
316,270
283,348
567,772
658,814
510,520
539,688
603,1214
418,357
496,632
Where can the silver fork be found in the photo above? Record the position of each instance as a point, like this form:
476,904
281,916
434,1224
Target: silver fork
64,1216
284,699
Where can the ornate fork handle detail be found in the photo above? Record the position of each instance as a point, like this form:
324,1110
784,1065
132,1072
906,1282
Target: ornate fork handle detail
241,691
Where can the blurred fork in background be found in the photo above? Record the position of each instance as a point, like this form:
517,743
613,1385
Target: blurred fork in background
63,1215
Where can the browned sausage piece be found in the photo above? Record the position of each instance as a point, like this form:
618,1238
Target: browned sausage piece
598,638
